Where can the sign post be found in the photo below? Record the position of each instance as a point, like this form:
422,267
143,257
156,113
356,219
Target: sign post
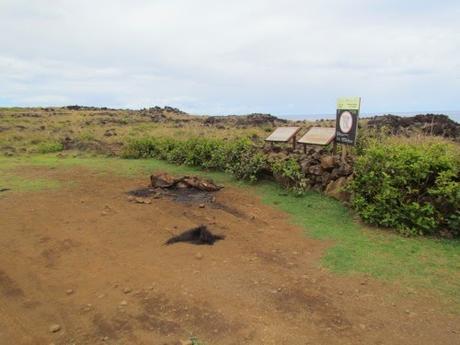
347,121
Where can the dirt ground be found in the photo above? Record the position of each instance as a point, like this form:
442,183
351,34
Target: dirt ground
89,260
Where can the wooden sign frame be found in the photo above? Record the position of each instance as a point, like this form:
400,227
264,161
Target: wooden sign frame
273,137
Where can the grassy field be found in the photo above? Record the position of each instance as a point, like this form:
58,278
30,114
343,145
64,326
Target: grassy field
34,130
431,265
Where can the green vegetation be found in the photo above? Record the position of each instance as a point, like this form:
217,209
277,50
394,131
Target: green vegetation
414,188
289,174
12,179
417,263
50,146
238,157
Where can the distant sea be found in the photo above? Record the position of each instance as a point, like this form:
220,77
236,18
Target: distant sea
453,114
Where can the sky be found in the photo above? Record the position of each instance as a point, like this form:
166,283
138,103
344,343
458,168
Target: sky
231,57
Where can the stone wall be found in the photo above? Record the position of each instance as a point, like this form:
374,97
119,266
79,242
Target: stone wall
322,170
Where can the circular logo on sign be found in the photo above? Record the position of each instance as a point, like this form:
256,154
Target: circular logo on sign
346,122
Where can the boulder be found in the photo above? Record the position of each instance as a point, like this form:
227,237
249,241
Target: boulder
335,189
162,180
201,184
325,178
345,170
327,162
305,164
315,170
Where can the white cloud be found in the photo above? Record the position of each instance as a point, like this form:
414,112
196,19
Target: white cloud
289,56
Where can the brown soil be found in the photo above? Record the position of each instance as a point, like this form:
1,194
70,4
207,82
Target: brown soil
261,285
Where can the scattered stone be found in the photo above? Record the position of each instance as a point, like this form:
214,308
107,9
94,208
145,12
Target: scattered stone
186,342
55,328
198,256
140,200
105,338
88,308
201,205
130,198
127,290
123,303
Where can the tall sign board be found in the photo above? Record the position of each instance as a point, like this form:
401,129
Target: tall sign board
347,120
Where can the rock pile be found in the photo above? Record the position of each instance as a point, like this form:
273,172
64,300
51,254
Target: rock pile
322,171
429,124
245,120
164,180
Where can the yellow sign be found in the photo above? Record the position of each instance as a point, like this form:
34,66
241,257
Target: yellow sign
349,103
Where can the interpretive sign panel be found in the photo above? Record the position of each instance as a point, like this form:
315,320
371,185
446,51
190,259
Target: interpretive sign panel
318,136
283,134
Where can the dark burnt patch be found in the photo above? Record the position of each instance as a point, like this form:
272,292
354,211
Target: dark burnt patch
199,236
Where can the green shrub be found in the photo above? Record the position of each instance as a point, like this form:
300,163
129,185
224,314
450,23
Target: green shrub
413,188
289,173
244,160
50,146
140,148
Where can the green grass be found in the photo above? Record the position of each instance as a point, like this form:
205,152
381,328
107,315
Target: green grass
10,179
416,263
15,183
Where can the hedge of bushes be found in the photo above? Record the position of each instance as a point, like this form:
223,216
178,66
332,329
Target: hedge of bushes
412,188
238,157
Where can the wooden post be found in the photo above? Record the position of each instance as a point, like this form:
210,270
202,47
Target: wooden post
344,152
293,141
305,148
334,147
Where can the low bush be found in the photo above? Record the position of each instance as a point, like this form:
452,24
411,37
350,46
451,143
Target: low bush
288,173
413,188
50,146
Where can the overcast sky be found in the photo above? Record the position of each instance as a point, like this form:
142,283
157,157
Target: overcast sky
240,56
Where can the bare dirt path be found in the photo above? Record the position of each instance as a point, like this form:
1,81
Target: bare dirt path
91,261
